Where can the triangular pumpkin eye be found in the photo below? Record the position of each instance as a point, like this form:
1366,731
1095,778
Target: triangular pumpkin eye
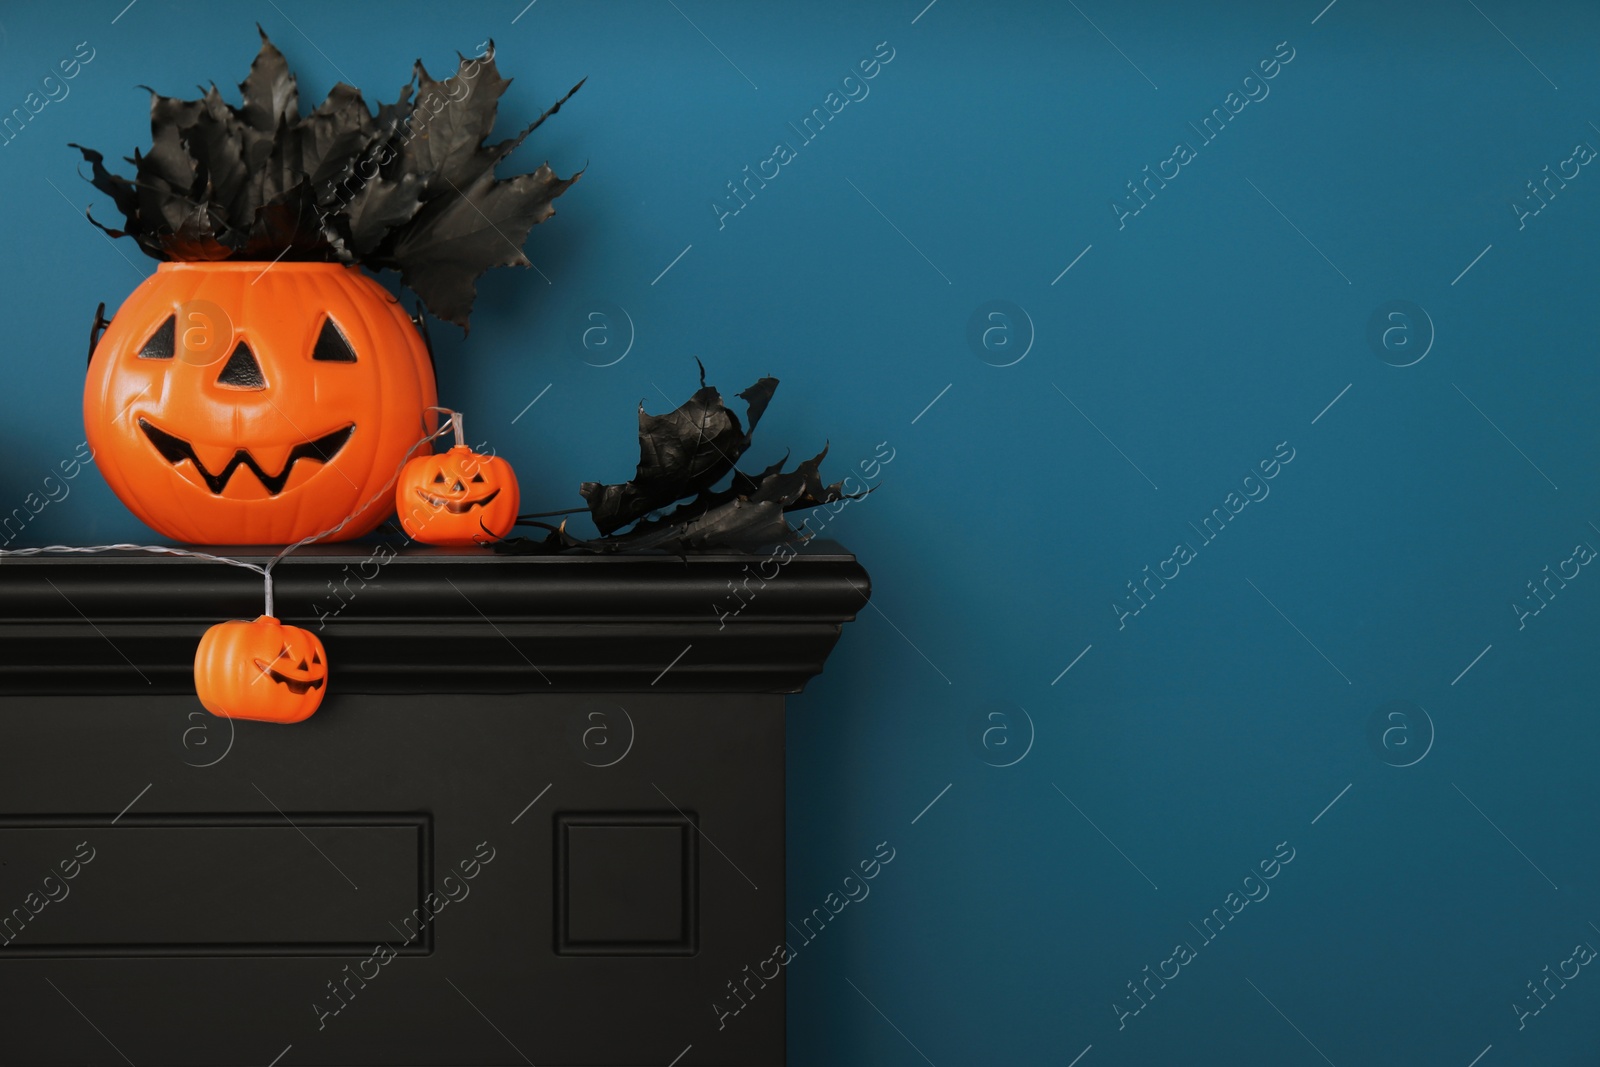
162,342
477,478
242,371
438,479
331,345
315,658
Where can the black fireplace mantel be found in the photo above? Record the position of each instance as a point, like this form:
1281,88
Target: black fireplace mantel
403,620
597,741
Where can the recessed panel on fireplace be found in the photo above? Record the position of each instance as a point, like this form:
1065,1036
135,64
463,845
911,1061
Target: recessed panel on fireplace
209,885
626,884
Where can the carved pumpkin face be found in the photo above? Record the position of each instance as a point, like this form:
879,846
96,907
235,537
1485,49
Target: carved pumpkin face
457,497
260,670
242,403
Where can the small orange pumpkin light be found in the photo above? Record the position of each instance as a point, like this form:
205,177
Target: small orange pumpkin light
458,497
262,670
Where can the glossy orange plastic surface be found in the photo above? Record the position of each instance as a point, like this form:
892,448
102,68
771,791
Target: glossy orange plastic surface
457,497
254,403
262,670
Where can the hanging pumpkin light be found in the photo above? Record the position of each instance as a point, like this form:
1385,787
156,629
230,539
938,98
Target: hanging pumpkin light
457,497
262,670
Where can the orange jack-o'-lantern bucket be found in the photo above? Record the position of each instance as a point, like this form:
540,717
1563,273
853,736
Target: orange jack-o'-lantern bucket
256,403
260,670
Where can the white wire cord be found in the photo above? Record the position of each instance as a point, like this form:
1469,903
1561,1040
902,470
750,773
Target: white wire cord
264,570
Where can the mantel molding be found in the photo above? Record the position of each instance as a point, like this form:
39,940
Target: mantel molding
423,620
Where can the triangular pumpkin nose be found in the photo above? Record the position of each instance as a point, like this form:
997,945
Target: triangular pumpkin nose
242,371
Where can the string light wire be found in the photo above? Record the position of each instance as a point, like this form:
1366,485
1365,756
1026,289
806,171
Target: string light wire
265,570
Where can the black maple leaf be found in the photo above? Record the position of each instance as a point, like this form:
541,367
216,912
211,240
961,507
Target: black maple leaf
686,451
683,454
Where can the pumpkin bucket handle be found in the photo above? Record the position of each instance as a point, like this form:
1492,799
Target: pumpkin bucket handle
99,327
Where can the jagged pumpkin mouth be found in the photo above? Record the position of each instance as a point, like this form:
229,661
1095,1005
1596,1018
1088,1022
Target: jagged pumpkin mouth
456,507
175,450
297,686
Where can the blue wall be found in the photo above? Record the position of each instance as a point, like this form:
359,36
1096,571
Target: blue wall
1357,613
